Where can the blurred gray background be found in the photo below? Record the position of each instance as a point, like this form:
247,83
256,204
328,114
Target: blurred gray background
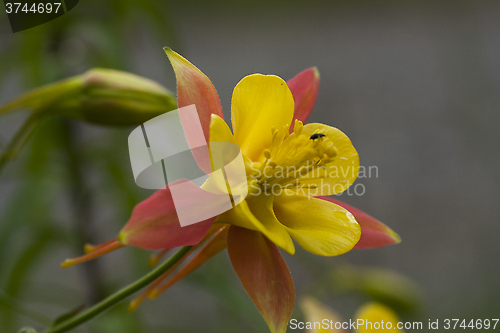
415,85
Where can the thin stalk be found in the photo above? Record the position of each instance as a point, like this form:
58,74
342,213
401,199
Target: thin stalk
20,138
119,296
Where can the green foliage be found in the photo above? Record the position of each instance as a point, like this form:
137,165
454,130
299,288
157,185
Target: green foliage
46,212
381,285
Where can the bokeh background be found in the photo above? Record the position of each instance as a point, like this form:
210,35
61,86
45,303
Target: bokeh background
415,85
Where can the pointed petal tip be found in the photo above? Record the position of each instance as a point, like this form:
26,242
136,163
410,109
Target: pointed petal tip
122,238
179,63
316,72
88,248
168,50
105,248
175,58
194,87
395,236
373,238
67,263
133,305
374,233
153,294
378,238
214,117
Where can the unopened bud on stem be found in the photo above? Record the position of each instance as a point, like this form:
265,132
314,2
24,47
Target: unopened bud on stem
100,96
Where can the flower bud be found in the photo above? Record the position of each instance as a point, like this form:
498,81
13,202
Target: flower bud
100,96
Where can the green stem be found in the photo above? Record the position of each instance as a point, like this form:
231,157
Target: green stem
119,295
19,139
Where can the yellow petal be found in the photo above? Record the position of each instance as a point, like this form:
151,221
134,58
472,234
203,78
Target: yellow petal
316,313
256,213
219,131
373,232
319,226
259,103
373,314
339,174
223,151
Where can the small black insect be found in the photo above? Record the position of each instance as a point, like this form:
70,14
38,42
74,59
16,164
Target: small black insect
316,136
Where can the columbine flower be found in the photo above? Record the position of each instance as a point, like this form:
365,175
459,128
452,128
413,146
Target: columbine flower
286,168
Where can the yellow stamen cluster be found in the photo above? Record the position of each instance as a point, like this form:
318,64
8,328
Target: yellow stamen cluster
291,157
